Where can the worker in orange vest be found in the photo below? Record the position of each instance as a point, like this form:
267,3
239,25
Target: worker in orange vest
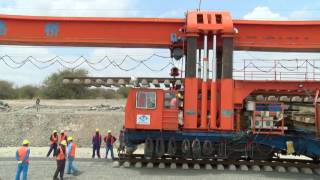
109,140
61,160
71,151
22,156
53,143
63,136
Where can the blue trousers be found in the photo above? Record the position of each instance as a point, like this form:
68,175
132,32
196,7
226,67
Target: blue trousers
109,147
94,149
22,168
53,147
71,167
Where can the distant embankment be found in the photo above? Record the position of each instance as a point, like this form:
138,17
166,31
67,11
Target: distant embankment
79,121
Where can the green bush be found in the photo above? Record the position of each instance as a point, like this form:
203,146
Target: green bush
53,88
6,90
123,92
27,92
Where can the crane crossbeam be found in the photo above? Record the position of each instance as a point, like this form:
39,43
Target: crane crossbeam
152,33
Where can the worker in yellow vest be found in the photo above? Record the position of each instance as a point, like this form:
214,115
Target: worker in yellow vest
71,151
61,160
22,156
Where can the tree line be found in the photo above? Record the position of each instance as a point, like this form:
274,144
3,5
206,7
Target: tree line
53,88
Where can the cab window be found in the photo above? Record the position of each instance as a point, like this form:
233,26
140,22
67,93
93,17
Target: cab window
170,100
146,100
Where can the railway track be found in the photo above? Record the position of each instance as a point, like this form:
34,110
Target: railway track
274,165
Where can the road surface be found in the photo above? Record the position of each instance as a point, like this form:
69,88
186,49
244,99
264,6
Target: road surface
43,169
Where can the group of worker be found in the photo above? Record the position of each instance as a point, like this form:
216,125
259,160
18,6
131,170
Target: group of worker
109,140
63,148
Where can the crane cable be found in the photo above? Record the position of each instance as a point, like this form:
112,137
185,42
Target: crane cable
83,60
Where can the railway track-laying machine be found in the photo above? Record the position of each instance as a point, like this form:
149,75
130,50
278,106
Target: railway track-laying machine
201,114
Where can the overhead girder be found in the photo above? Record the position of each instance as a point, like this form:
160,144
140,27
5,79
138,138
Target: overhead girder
158,32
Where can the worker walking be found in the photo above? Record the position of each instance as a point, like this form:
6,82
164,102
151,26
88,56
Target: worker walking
71,151
96,143
22,156
109,140
63,136
61,160
38,104
53,143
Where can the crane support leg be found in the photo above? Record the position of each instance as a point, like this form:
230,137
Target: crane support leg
191,86
226,99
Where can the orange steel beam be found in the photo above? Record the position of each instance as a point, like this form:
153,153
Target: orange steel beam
108,32
277,35
152,32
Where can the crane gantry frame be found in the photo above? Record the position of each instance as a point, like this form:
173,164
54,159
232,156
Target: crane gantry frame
199,30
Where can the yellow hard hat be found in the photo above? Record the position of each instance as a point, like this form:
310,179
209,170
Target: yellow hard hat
64,142
25,142
97,130
54,131
70,138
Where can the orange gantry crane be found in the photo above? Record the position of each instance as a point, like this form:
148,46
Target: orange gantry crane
214,110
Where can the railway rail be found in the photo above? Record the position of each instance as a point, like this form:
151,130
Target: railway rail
281,165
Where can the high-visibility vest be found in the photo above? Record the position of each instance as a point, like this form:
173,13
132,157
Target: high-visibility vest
22,152
54,139
73,150
63,137
61,155
110,138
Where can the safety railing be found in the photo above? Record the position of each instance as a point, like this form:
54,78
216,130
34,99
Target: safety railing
280,69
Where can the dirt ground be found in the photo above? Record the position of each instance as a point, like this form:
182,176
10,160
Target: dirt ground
43,169
79,118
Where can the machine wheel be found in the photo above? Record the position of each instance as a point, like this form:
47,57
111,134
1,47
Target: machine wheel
236,151
185,148
172,147
148,148
261,152
159,148
196,149
207,148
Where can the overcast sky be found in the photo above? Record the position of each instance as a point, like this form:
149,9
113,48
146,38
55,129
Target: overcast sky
244,9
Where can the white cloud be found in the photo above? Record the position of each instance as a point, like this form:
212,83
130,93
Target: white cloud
263,13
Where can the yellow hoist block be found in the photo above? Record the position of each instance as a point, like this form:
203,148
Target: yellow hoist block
290,147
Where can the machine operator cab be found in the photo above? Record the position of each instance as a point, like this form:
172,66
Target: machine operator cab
151,109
